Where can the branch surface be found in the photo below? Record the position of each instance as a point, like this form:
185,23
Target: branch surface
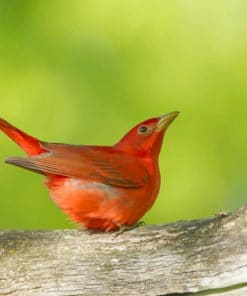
206,256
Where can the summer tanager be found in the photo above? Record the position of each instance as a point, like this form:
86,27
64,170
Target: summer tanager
99,187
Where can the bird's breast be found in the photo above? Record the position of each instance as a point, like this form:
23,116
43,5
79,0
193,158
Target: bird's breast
97,205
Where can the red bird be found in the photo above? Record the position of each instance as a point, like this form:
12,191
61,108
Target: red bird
100,187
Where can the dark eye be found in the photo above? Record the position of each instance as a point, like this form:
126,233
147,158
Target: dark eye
143,129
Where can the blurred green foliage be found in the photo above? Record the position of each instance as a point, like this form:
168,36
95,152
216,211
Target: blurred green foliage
85,72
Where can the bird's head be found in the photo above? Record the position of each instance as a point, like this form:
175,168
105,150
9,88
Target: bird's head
146,138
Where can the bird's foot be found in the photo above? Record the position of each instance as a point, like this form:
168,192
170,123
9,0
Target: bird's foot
123,228
222,214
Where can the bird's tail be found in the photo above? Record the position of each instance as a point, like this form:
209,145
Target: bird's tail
28,143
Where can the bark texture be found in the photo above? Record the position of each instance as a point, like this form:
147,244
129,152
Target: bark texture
206,257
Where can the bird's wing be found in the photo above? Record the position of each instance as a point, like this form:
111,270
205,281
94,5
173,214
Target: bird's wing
104,165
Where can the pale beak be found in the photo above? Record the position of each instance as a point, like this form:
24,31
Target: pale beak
165,120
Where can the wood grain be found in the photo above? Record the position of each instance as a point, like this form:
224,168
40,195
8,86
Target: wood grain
207,257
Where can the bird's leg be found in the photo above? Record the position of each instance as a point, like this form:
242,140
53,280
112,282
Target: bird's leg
123,228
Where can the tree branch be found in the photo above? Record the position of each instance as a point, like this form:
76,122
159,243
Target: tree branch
207,256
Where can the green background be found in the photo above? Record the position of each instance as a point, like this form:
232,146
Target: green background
85,72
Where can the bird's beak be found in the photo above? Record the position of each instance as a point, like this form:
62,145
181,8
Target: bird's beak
165,120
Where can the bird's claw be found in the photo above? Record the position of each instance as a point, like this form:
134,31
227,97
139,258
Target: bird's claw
222,214
123,228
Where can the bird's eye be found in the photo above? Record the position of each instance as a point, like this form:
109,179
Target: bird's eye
143,129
